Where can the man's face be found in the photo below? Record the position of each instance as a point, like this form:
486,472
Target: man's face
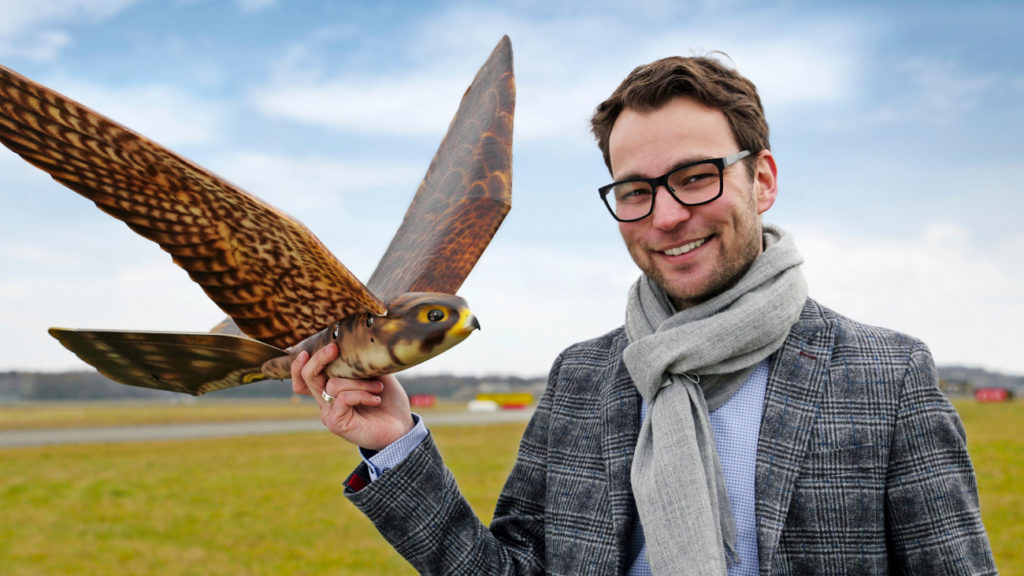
693,253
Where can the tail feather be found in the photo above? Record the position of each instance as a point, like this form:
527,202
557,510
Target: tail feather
192,363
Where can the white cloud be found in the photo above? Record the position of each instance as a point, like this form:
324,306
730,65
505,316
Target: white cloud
16,255
158,297
41,45
558,81
166,114
938,92
88,278
404,106
30,29
963,299
309,180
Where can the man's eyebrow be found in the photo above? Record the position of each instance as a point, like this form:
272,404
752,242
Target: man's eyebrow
679,164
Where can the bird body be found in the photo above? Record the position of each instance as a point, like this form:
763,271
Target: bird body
282,289
417,327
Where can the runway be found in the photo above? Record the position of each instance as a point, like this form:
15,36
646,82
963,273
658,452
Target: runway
22,438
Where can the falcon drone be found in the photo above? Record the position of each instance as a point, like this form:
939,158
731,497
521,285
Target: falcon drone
282,290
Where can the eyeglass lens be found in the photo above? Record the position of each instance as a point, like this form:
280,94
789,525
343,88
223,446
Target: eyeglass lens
691,185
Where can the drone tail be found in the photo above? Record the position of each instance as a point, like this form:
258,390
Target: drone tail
188,362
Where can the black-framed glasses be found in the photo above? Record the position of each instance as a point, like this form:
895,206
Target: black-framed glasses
691,184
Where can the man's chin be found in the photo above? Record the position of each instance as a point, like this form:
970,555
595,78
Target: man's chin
684,295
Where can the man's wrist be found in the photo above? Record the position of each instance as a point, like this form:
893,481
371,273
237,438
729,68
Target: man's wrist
380,461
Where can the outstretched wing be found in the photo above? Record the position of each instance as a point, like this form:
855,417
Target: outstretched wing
465,195
193,363
262,267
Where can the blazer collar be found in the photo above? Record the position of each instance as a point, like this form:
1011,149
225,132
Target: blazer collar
620,421
798,372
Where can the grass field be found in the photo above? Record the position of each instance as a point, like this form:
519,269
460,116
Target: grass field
995,439
273,504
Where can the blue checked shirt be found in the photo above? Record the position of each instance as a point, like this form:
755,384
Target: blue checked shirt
380,462
736,426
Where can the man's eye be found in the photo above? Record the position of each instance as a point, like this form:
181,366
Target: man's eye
695,177
632,193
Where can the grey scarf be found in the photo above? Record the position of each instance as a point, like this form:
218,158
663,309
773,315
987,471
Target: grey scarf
685,364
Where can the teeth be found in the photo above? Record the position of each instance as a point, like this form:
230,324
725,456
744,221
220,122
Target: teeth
684,248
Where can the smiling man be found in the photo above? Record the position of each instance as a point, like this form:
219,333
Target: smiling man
732,425
701,243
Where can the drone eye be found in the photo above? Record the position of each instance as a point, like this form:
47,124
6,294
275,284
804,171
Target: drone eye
435,315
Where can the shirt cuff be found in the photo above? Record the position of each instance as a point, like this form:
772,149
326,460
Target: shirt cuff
393,454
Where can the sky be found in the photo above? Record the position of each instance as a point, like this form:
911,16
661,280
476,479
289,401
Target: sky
895,126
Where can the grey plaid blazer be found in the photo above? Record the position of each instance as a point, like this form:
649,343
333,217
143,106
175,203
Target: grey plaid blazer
862,468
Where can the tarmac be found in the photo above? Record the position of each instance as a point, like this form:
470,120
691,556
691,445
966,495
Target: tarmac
22,438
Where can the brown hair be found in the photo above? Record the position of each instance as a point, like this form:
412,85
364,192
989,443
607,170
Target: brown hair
704,79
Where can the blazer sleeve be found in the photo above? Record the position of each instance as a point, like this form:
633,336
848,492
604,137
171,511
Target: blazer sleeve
420,511
932,512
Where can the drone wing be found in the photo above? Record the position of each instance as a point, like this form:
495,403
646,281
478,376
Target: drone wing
465,195
191,363
259,265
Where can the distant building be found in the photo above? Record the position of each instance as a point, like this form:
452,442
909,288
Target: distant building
483,406
507,400
993,394
423,400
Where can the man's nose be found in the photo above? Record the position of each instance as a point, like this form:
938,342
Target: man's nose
668,212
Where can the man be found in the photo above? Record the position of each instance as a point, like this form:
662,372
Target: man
731,425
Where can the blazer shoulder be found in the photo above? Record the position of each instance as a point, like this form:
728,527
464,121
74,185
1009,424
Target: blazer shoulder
602,350
591,363
849,333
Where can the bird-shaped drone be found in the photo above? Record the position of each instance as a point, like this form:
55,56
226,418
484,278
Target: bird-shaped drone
282,290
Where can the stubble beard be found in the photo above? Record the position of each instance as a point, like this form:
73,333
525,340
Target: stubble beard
749,242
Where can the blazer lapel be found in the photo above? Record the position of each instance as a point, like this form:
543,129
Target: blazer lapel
620,420
798,372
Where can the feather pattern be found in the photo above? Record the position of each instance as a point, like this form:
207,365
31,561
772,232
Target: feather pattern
260,266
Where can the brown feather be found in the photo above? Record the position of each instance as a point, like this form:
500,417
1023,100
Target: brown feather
262,267
465,195
180,362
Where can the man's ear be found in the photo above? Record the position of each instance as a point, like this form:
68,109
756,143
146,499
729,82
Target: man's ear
766,185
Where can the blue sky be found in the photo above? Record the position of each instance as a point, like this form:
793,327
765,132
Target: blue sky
895,126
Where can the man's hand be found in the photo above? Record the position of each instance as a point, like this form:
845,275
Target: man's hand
368,413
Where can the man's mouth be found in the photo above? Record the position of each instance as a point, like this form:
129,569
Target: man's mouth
685,247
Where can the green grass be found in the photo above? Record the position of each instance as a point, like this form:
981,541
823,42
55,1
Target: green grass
995,440
273,504
239,506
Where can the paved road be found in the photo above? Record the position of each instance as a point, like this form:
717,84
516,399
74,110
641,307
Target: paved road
13,438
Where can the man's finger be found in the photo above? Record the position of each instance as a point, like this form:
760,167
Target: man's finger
356,398
337,386
298,384
313,373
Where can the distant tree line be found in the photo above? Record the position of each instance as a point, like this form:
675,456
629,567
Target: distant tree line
91,385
